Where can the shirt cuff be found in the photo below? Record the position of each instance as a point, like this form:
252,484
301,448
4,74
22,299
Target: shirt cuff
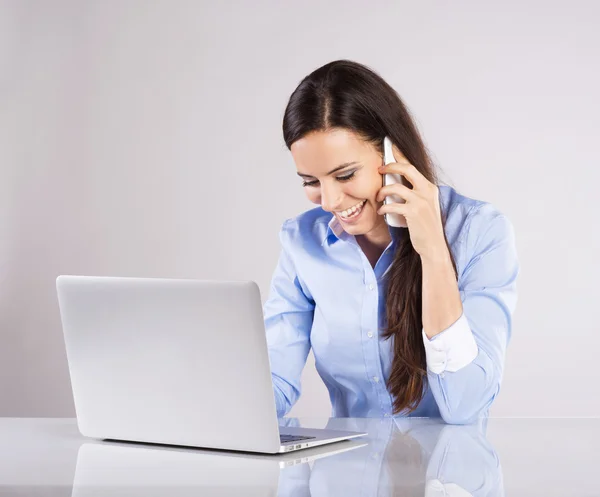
452,349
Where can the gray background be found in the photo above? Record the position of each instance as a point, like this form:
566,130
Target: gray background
143,138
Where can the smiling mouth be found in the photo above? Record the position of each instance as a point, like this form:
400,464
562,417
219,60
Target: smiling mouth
352,214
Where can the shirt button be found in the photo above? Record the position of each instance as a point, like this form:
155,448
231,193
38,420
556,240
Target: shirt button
386,415
370,334
375,379
371,287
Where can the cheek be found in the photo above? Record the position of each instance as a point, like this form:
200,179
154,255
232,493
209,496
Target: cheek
369,191
368,186
376,185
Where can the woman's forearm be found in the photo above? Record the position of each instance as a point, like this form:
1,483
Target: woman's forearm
441,303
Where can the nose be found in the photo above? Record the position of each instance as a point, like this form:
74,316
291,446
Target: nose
330,197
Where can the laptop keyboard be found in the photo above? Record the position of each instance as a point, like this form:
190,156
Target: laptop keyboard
292,438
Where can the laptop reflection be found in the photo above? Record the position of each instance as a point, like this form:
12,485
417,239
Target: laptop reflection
122,468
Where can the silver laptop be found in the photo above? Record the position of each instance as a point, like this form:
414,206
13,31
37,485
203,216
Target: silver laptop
178,362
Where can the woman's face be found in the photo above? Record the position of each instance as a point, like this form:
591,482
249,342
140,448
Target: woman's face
318,154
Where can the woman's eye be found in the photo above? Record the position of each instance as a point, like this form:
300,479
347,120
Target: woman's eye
339,178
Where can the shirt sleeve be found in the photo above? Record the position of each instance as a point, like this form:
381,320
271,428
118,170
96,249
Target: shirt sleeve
288,315
465,362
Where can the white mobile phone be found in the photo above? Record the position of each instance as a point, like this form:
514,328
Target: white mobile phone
392,219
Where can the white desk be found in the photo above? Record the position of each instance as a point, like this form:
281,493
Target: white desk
402,457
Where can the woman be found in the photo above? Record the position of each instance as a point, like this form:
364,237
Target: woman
402,321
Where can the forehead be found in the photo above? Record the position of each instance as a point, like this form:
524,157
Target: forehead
321,151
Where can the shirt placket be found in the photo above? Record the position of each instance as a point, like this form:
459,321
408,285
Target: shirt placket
370,333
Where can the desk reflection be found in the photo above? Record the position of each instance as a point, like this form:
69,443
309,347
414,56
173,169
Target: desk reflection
405,456
400,456
122,468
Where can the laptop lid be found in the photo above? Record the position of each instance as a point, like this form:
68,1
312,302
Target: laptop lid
181,362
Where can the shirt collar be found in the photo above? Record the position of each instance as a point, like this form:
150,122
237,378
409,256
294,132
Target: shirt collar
333,228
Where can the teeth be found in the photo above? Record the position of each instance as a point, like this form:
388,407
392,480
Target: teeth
352,210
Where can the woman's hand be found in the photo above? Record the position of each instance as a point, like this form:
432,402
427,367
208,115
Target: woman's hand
421,210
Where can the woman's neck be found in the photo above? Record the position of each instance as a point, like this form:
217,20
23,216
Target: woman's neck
377,238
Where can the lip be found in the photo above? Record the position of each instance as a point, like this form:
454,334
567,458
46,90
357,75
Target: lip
353,220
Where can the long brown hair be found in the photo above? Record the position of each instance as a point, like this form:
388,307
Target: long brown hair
348,95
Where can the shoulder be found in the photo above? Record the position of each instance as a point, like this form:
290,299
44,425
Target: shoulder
470,215
307,228
473,225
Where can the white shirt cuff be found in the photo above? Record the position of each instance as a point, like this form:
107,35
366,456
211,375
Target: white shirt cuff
452,349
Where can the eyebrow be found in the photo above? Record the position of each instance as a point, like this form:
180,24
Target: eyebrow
341,166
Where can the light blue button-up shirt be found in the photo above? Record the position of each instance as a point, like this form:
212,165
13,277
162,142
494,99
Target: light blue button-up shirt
326,295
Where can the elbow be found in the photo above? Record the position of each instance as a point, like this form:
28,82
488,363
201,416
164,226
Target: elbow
468,397
469,410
